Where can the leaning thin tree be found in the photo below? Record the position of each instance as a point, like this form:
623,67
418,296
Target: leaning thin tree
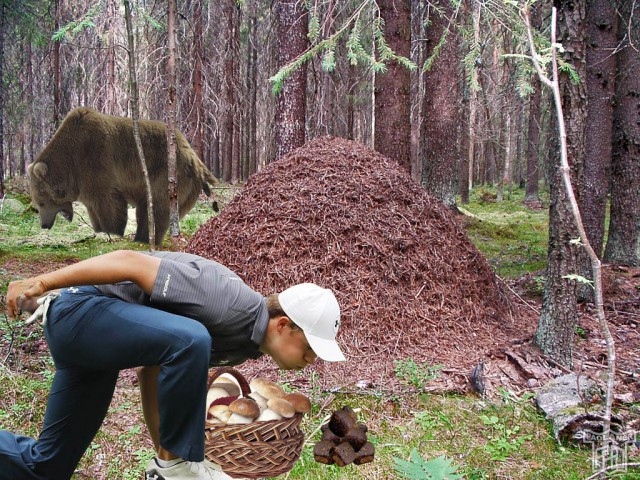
135,115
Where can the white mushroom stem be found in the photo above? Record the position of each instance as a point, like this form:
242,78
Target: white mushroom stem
268,415
260,400
238,419
214,394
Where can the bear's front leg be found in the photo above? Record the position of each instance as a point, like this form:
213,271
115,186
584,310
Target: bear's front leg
107,212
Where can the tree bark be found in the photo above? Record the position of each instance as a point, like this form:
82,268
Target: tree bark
2,94
236,85
558,317
623,243
57,94
135,116
291,101
252,91
229,95
198,126
532,198
392,89
440,108
473,95
174,218
601,70
111,62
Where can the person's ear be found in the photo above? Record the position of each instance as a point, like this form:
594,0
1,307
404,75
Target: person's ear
281,323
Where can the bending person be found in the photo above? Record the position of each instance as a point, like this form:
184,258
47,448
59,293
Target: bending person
174,315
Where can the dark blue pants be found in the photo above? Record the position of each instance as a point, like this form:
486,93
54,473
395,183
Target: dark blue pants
92,337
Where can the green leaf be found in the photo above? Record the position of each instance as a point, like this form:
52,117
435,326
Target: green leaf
578,278
440,468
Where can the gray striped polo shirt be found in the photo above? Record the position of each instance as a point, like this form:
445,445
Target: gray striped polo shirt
235,315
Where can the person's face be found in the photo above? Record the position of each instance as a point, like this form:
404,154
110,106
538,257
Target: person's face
290,348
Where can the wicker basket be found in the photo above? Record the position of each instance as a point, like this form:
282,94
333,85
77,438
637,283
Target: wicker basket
254,450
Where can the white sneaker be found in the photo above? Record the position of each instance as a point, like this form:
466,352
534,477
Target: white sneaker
182,470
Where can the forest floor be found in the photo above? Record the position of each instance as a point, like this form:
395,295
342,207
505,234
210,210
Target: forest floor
498,436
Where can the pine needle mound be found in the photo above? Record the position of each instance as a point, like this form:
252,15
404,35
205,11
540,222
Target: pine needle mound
410,283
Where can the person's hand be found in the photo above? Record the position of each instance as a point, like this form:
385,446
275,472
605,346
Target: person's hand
22,295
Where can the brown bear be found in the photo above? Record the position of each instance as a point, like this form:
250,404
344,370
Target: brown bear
92,159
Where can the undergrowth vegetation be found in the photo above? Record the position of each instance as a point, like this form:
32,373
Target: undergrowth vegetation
416,435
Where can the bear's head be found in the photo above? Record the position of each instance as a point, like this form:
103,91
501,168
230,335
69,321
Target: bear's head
47,198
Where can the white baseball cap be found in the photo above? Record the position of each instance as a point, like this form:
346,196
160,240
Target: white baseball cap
316,311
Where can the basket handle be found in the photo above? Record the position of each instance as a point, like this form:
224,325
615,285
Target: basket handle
244,385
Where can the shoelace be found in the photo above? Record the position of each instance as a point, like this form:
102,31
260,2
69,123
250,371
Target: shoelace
41,311
199,468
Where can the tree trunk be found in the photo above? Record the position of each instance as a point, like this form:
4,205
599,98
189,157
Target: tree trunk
253,107
198,127
2,94
463,172
473,93
135,116
601,70
291,101
237,84
440,107
623,243
532,198
559,317
111,107
174,218
57,94
392,89
229,87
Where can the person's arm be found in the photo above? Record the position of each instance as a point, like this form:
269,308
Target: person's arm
113,267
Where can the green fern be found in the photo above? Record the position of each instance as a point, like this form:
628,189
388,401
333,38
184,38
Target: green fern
439,468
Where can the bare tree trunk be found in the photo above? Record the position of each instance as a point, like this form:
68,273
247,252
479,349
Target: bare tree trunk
600,79
57,96
174,217
253,94
237,85
135,115
601,70
532,199
198,127
623,243
440,107
392,88
2,94
473,89
111,62
291,102
227,130
559,315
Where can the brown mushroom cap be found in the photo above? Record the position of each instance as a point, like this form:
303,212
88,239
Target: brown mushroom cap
267,388
301,403
281,407
245,407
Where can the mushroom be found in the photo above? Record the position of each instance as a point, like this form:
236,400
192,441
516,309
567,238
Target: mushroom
243,410
267,388
300,403
260,400
268,415
221,413
214,394
281,407
229,385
